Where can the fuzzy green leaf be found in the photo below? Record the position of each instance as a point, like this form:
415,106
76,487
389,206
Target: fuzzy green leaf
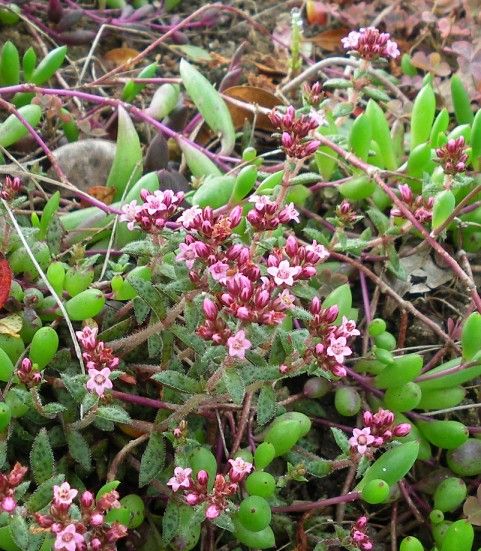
234,385
41,458
266,405
43,494
79,449
19,531
179,381
114,413
153,459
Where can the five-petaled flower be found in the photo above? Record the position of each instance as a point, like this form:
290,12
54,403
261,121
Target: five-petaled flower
239,469
64,494
68,539
361,439
181,479
238,344
338,349
99,381
284,273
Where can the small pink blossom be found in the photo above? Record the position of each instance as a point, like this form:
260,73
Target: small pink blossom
129,213
99,380
64,494
238,344
260,201
212,512
218,271
188,216
68,539
286,299
337,349
361,439
284,273
181,479
87,337
188,254
290,212
348,327
318,249
239,469
8,504
351,41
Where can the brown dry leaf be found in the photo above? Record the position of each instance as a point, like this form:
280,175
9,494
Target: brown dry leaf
261,81
472,510
316,12
431,63
253,96
102,193
273,66
119,56
11,325
469,59
330,40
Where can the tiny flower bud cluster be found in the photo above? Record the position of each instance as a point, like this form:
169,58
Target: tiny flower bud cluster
8,484
28,375
266,214
420,207
332,347
453,156
99,360
379,429
152,215
295,138
358,535
196,491
313,93
89,533
370,44
10,188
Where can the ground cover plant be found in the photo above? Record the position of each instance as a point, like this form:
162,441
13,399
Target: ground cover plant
239,301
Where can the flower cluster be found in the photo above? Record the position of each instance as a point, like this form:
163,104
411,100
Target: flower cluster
370,44
359,537
266,214
453,156
90,532
99,360
10,188
313,93
420,207
28,375
196,491
8,484
295,138
378,430
332,347
156,209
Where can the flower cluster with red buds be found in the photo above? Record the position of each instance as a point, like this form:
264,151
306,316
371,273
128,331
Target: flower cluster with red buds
152,215
99,361
369,44
28,375
379,428
295,139
313,93
8,485
345,214
419,206
210,227
332,347
10,188
197,492
267,215
453,156
89,533
359,538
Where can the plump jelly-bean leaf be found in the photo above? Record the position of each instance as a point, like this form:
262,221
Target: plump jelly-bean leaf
461,101
12,130
163,101
210,104
470,343
197,161
422,116
49,65
444,434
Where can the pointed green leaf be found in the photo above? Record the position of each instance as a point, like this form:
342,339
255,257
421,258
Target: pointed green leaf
41,458
197,161
210,104
153,459
12,130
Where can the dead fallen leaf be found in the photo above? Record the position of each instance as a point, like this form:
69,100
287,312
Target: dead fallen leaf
261,81
273,66
330,40
102,193
11,325
316,12
432,63
119,56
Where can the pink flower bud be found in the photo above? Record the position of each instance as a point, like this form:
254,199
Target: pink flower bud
262,299
292,246
283,368
97,519
192,499
234,251
210,309
286,140
307,272
402,430
315,307
201,249
8,504
202,477
311,147
361,522
212,512
367,417
87,499
235,216
406,193
331,313
243,313
96,544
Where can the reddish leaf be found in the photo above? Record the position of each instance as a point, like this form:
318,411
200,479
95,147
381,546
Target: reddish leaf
102,193
330,40
5,280
316,12
119,56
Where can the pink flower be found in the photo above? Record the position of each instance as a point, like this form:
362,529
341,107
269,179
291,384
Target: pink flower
129,213
286,300
260,201
212,512
369,43
8,504
348,327
218,271
188,254
337,349
350,41
87,337
63,494
181,479
318,250
239,469
238,344
188,216
284,273
361,439
68,539
289,212
99,380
